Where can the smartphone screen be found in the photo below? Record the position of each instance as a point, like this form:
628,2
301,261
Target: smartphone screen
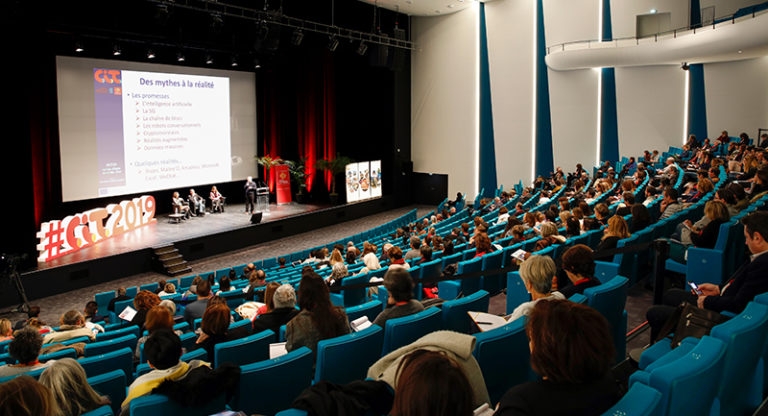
695,288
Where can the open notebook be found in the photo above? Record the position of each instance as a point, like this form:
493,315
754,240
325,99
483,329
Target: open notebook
487,321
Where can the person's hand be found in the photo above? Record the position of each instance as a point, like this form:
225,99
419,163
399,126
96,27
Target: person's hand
708,289
700,301
203,336
688,223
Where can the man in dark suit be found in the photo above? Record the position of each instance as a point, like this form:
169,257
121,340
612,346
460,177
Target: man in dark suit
196,309
749,280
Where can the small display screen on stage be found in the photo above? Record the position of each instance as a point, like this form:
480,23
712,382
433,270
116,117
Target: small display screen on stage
363,180
130,127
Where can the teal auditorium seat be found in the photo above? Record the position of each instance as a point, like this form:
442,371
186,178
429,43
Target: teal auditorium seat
353,296
503,355
104,410
268,386
56,355
708,264
159,404
639,400
121,359
244,350
516,291
451,289
346,358
117,333
102,301
455,316
610,299
371,309
605,270
112,384
688,384
109,345
493,283
404,330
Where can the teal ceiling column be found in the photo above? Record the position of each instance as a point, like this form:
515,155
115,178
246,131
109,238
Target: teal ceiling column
697,103
543,154
609,125
487,148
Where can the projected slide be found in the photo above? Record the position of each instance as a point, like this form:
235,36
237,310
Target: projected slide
363,180
138,131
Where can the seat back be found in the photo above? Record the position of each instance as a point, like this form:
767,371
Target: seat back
455,316
503,355
745,334
268,386
493,282
695,374
117,333
244,350
112,384
102,301
516,291
62,353
160,404
347,357
371,309
121,305
104,410
404,330
354,296
121,359
610,299
108,345
605,270
639,400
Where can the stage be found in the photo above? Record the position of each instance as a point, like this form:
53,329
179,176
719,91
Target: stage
196,238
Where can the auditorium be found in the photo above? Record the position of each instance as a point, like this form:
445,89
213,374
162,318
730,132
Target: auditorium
486,202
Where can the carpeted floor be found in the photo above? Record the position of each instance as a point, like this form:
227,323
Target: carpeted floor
639,298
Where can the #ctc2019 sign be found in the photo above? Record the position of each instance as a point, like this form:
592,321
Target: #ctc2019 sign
61,237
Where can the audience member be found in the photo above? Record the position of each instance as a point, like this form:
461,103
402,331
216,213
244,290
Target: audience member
572,351
284,301
24,396
160,286
168,290
225,285
91,312
196,309
537,273
163,352
72,326
66,380
318,318
400,302
616,230
143,302
120,295
738,290
431,383
269,293
214,329
25,348
6,330
396,259
158,317
641,218
257,280
578,264
414,252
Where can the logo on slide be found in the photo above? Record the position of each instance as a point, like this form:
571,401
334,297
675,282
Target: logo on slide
107,81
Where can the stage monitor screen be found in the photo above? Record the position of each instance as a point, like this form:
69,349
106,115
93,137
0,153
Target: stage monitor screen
363,180
130,127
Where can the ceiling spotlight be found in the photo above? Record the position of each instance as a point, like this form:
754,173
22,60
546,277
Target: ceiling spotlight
180,56
150,54
653,11
208,59
79,46
685,66
116,51
362,48
297,37
333,43
256,63
234,61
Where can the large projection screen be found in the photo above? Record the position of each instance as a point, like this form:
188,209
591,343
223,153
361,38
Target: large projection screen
131,127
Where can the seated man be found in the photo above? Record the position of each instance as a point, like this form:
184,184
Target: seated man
73,325
400,300
24,348
196,309
197,202
163,352
747,282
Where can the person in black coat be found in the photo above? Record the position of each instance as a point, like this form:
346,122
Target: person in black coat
284,310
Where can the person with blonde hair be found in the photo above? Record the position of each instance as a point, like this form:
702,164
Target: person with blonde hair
537,273
67,382
616,230
6,329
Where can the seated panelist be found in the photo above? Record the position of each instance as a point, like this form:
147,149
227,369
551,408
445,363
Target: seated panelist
180,206
197,202
217,200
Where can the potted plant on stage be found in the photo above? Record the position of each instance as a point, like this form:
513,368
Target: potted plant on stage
268,162
335,166
299,174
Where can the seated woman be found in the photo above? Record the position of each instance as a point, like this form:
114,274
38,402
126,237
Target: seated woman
143,302
400,302
559,331
706,237
284,309
217,200
578,265
66,379
73,325
537,273
214,328
6,329
180,206
158,317
24,396
616,230
549,235
318,318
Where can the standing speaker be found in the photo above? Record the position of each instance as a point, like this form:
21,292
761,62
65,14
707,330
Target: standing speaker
256,218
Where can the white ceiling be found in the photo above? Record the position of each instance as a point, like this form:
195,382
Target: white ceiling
422,7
